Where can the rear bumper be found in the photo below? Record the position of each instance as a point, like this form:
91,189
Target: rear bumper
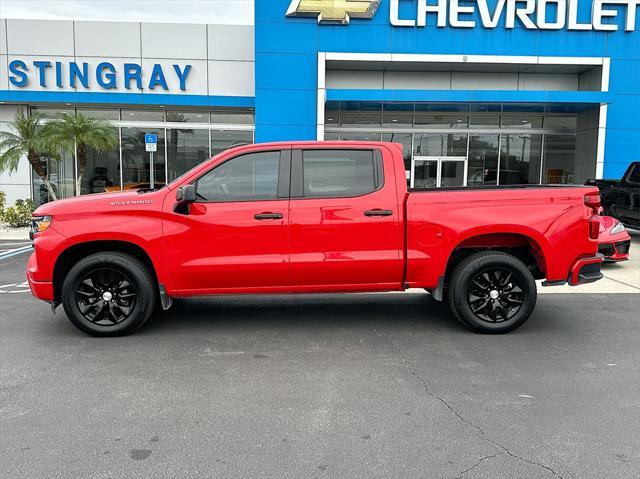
40,289
586,270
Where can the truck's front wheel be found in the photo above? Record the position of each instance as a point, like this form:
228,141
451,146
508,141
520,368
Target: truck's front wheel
108,294
492,292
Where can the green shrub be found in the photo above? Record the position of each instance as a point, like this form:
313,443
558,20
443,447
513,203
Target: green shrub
19,214
3,202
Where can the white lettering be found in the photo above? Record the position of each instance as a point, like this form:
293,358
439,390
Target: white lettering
531,14
561,15
440,9
395,16
487,20
600,13
455,10
514,10
573,18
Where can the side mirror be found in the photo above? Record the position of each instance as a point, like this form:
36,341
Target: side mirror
184,197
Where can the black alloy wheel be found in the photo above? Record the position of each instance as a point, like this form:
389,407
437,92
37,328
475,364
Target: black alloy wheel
109,294
495,295
106,296
492,292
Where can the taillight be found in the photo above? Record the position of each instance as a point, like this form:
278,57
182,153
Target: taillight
594,228
593,202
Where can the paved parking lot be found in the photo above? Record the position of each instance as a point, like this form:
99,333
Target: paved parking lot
378,385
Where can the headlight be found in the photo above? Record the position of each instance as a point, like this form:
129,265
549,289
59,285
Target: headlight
618,228
39,224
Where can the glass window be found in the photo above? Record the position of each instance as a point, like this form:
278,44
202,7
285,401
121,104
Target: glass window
188,116
634,175
244,178
559,159
483,160
142,115
520,159
360,136
222,140
49,112
360,119
185,149
452,173
234,117
60,173
330,136
102,172
425,174
485,121
136,161
101,114
405,139
440,144
396,120
561,122
331,118
442,121
521,121
339,173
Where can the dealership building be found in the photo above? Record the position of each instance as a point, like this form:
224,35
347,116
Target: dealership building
477,91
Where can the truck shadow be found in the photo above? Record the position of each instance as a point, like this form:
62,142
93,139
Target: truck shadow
304,311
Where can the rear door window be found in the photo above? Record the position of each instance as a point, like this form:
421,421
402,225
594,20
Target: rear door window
340,173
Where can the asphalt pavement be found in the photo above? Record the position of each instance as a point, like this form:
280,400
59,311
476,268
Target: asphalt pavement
330,386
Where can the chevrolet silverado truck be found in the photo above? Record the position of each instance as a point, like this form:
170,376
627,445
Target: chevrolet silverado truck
311,217
621,198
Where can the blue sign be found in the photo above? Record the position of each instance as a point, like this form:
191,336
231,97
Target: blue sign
151,142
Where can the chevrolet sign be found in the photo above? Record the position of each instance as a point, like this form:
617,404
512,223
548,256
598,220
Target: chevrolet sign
333,11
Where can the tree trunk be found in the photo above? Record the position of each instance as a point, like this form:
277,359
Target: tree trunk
36,164
81,155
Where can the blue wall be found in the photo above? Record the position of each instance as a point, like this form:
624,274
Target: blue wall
286,65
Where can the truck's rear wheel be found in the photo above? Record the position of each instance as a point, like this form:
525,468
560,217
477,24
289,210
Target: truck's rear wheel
108,294
492,292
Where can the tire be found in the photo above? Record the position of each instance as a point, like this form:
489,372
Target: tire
109,294
492,292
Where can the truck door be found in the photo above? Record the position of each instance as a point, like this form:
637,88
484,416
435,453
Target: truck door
345,221
628,197
235,236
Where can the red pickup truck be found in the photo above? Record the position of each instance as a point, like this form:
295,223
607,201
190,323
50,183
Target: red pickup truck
311,217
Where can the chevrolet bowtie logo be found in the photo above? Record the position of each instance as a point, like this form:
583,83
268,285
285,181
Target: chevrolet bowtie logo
333,11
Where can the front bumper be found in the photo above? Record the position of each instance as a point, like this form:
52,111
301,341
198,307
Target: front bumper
40,289
615,251
586,270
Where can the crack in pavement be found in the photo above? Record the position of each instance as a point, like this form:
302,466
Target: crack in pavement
480,461
504,449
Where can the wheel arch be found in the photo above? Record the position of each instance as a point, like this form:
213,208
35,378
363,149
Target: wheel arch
72,254
524,245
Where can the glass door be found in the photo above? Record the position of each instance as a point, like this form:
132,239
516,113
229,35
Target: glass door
136,161
437,171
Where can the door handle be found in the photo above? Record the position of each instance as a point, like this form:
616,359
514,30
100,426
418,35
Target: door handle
268,216
378,212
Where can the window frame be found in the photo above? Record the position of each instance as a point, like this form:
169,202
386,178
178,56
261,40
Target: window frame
284,177
297,173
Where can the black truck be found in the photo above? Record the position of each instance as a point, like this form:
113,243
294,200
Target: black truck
621,198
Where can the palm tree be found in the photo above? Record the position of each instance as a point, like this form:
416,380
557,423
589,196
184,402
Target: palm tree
75,132
29,139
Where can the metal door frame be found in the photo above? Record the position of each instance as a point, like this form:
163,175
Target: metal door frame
439,160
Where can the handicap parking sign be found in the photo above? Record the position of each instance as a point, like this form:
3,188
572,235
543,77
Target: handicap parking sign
151,141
